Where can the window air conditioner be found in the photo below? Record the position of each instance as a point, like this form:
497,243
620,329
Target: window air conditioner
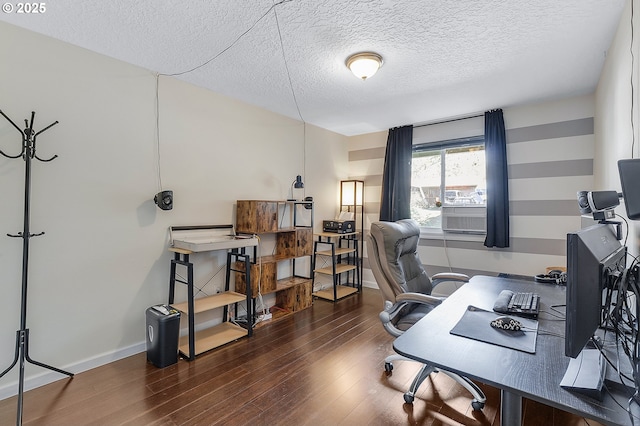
464,219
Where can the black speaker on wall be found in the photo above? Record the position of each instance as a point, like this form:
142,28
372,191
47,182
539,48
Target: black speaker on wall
164,200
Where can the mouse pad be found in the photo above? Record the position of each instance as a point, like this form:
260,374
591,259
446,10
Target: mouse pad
475,324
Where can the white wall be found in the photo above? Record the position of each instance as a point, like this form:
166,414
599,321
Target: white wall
617,107
104,258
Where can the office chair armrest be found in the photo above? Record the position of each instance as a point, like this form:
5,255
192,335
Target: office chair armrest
448,276
392,309
387,316
419,298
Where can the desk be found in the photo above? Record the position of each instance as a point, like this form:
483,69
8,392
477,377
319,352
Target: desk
186,240
518,374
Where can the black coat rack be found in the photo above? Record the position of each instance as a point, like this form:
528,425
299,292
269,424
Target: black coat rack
22,336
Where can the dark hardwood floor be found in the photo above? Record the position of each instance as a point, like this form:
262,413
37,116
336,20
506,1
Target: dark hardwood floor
323,366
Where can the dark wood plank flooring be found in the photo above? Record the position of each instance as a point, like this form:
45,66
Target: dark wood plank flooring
322,366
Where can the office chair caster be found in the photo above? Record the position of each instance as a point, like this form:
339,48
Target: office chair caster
477,405
388,367
408,397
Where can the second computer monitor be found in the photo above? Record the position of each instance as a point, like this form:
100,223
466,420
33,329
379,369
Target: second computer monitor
594,256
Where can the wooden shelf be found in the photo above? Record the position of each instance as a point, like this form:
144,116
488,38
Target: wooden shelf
279,314
341,291
212,337
335,234
285,283
339,269
289,282
211,302
276,258
338,251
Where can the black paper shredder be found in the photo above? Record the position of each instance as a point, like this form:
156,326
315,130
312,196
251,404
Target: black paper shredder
163,330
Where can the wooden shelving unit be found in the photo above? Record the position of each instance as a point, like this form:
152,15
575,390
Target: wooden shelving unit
292,242
197,342
338,260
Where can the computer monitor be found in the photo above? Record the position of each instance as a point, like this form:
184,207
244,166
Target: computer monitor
629,171
595,258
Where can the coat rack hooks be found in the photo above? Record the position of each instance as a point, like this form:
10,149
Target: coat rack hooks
28,138
22,336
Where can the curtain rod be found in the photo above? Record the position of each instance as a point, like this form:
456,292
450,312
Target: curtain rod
450,120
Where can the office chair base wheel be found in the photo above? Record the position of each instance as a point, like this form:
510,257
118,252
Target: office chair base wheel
408,398
477,405
388,367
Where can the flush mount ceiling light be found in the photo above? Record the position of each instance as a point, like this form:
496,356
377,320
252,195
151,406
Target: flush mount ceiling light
364,65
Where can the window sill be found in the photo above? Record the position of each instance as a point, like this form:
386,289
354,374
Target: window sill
438,234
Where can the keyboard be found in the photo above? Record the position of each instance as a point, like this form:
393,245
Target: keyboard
518,303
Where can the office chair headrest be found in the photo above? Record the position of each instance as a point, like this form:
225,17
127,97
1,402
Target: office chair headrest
404,234
397,244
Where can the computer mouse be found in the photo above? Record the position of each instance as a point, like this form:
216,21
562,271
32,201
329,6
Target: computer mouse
506,323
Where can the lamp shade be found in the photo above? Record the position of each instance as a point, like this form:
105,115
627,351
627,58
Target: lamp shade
351,192
364,65
298,182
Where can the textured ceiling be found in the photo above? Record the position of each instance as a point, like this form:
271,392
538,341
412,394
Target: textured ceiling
442,58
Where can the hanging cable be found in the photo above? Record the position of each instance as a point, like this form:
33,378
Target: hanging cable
158,132
295,99
286,66
233,43
208,61
633,131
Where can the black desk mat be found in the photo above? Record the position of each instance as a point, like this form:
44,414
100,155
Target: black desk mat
475,324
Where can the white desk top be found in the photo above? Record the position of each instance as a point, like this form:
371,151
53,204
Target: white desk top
215,237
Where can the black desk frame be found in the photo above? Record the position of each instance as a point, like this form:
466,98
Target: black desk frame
183,260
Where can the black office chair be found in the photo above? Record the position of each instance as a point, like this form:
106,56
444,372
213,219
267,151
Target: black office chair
406,291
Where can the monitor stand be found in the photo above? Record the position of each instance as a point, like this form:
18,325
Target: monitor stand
585,373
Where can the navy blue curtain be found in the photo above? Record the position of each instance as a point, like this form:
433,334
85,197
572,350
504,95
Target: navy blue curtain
495,145
396,178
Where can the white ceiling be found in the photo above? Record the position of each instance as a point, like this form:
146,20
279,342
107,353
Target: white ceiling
442,58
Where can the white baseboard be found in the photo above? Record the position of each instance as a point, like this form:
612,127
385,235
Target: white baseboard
47,376
369,284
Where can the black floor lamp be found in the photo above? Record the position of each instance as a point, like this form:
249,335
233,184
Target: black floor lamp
22,336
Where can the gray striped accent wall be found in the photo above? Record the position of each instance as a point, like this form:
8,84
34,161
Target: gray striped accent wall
548,164
563,129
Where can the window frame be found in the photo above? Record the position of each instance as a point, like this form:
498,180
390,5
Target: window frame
442,145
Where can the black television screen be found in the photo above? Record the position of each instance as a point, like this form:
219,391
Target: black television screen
629,171
594,255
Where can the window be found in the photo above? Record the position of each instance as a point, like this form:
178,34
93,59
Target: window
447,173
